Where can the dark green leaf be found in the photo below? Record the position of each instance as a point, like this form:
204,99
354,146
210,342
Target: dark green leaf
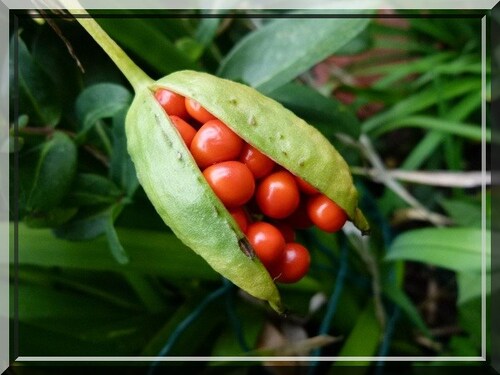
470,286
363,339
49,219
251,322
281,50
469,316
463,347
150,252
358,44
38,97
50,51
436,28
148,43
93,189
114,243
400,298
470,131
102,100
58,321
205,328
465,214
54,173
206,31
87,225
458,249
121,169
172,28
190,47
422,100
87,336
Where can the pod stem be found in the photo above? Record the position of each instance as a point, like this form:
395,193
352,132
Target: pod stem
135,75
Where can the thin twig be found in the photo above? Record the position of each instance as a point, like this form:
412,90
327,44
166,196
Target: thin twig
97,154
366,147
446,331
429,343
433,178
45,130
66,42
362,246
412,214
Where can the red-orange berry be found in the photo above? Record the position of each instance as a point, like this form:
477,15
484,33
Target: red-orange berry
325,213
231,181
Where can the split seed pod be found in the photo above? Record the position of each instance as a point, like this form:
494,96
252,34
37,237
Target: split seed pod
184,200
176,186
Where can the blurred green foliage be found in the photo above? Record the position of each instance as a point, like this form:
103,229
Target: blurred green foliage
100,274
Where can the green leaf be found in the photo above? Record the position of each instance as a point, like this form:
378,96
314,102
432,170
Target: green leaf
425,148
470,131
114,243
49,219
422,100
92,189
462,347
60,321
102,100
458,249
395,72
38,97
469,316
328,114
400,298
281,50
465,214
147,42
190,47
362,42
121,168
205,328
206,31
438,29
87,336
87,225
251,322
469,286
54,173
364,338
150,253
50,51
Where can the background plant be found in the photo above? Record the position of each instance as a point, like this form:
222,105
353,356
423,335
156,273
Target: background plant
100,274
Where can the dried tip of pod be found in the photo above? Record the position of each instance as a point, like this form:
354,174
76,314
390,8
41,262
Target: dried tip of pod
360,222
278,307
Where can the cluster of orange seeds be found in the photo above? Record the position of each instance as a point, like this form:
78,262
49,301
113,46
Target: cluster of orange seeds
267,201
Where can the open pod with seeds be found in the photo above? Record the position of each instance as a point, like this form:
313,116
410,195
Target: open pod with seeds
176,185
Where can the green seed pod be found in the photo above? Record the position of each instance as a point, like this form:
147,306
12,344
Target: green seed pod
275,131
182,197
176,186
